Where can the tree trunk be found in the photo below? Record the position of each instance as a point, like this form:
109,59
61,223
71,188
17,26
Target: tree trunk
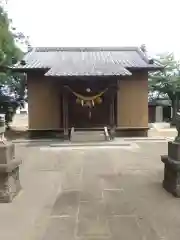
175,107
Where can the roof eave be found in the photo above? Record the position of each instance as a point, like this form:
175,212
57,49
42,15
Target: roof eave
86,76
154,69
26,70
150,68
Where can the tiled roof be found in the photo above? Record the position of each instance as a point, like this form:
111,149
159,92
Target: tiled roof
85,61
70,68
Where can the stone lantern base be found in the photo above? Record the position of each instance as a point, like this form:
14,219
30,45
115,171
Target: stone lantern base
9,172
171,162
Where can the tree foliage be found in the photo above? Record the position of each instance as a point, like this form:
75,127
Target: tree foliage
167,81
9,52
12,85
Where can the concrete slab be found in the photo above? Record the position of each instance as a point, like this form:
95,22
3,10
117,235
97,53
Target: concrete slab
66,204
90,193
60,228
93,228
125,228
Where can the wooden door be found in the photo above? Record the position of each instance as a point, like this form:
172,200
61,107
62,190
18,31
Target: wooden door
84,117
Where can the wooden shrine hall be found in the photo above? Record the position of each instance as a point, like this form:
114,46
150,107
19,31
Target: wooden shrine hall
87,89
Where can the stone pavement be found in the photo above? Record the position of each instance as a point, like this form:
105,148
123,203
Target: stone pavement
90,193
169,133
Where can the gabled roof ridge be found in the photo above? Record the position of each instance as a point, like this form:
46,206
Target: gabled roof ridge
143,55
80,49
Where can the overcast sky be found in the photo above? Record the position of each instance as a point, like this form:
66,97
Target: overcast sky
100,23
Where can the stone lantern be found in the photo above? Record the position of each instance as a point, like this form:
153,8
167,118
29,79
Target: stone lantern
171,162
9,167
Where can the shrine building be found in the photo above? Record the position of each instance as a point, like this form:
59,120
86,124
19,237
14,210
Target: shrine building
87,89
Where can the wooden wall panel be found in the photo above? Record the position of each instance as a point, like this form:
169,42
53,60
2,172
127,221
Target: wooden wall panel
132,101
43,103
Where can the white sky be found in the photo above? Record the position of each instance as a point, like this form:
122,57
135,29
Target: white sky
99,23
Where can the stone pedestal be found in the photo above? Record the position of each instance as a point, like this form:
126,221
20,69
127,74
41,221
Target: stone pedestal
9,172
159,114
171,162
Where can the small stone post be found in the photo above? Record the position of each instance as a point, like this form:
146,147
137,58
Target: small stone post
159,114
171,162
9,167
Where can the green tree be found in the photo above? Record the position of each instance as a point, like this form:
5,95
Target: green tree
167,81
9,52
12,85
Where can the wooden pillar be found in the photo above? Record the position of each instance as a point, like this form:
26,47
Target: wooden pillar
65,114
112,110
112,117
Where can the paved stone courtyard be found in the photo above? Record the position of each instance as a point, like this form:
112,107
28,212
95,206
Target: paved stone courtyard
90,193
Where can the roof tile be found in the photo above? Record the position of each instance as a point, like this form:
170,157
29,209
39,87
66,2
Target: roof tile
85,61
87,69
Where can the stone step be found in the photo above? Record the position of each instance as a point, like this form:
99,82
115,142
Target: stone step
88,132
88,136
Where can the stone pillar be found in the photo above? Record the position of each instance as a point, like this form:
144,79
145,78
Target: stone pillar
159,114
9,172
171,162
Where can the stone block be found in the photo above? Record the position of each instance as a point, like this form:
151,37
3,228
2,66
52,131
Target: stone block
171,182
7,152
9,172
9,185
174,150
